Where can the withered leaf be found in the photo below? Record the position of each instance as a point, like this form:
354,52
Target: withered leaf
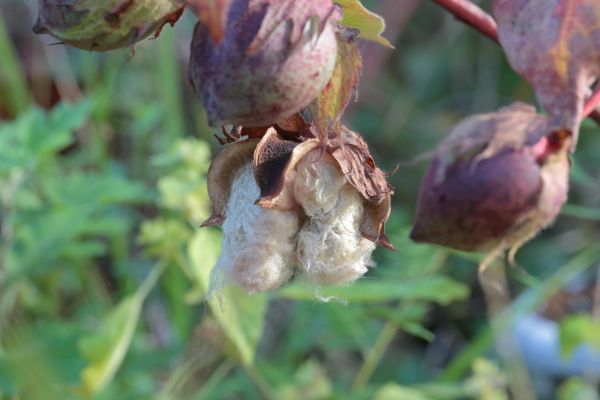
213,14
327,109
221,174
554,44
353,156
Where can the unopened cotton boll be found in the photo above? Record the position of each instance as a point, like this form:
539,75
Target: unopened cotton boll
331,248
105,25
259,246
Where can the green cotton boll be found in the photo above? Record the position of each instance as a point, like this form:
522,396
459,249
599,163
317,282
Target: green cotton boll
104,25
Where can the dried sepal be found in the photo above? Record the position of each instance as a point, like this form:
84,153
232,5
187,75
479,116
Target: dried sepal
355,160
375,216
221,174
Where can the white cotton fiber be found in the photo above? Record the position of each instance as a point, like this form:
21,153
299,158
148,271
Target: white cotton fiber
259,245
331,249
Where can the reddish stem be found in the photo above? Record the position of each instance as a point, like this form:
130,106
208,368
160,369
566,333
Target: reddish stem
478,19
471,15
592,103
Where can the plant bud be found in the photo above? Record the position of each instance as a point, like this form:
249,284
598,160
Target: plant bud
105,25
275,57
496,181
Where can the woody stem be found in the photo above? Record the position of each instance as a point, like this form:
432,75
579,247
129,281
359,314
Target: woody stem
471,15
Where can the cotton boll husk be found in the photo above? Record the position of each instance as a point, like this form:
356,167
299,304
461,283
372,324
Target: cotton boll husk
259,246
331,249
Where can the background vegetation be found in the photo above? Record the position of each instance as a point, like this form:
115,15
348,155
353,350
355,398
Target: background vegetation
103,269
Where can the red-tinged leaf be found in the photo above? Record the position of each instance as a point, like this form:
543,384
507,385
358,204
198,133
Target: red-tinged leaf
327,109
554,44
213,14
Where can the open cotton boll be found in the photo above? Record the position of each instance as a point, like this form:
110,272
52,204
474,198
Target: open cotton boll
259,245
331,249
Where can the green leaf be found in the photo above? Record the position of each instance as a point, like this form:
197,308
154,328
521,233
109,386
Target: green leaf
368,23
240,316
436,288
576,330
105,350
392,391
37,134
577,388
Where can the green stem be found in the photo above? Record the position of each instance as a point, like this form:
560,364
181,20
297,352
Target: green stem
374,356
12,80
217,377
170,84
525,304
261,383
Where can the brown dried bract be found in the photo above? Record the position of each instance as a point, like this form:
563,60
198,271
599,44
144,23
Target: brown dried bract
352,153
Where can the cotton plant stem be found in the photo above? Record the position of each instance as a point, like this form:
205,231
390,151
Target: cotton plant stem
494,283
374,356
261,383
471,15
478,19
592,103
588,372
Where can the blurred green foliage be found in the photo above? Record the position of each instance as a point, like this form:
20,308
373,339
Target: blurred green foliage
104,271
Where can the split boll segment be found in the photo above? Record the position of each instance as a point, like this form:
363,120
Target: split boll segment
105,25
307,219
495,182
275,57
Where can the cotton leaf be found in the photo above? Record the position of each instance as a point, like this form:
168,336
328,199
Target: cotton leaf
369,24
241,317
554,44
106,349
